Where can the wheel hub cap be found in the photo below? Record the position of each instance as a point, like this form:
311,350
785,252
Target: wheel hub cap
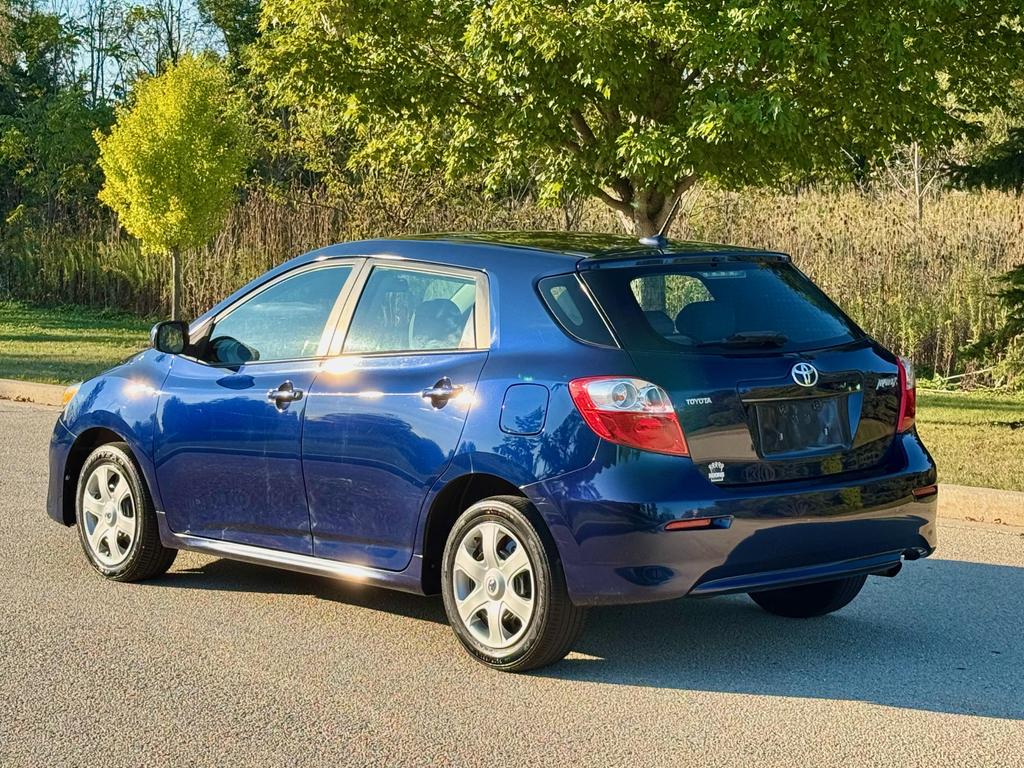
107,515
493,585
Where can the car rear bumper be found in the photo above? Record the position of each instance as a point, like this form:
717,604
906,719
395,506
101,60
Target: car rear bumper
609,521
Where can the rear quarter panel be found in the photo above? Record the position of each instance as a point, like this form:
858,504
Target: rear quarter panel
527,347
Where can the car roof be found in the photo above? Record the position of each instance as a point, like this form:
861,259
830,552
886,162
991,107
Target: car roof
584,245
540,252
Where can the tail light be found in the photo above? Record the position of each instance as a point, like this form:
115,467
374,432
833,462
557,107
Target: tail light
908,395
629,412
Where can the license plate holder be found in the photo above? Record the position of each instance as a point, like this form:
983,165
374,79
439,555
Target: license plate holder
803,425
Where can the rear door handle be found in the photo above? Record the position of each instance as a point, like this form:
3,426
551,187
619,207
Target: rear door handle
284,394
442,391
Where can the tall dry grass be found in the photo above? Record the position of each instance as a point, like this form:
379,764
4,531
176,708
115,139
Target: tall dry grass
920,288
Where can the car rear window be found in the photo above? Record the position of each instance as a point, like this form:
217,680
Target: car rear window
724,305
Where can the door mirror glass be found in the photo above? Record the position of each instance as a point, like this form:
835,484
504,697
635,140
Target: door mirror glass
169,337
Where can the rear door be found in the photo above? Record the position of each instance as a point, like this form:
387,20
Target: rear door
770,380
229,421
385,417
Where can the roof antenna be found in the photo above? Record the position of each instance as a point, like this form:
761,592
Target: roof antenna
659,240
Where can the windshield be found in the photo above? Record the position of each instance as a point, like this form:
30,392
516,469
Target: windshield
718,306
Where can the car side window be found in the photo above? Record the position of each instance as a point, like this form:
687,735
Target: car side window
283,322
574,310
407,310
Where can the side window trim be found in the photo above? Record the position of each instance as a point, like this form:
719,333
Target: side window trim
357,264
481,312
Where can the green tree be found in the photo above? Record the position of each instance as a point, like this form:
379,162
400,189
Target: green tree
47,155
635,100
173,160
238,21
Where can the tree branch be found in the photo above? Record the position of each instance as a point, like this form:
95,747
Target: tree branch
579,124
666,217
615,203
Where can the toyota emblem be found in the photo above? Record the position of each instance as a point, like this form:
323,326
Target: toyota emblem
804,374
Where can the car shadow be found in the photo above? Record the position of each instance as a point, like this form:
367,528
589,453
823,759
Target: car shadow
233,576
943,636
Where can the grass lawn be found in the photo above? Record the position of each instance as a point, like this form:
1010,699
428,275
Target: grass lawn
977,438
59,346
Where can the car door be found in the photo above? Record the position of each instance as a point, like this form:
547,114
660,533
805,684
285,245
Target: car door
385,417
229,422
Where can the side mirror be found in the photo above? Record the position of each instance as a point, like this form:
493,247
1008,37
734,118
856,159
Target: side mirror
170,337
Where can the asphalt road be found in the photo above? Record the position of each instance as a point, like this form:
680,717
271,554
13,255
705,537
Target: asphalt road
226,664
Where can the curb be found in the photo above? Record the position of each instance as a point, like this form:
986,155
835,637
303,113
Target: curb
31,392
981,505
956,502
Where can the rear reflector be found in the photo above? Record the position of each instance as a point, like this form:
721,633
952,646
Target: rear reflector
925,491
724,521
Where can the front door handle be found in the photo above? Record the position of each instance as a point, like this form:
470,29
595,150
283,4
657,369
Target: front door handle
286,393
442,391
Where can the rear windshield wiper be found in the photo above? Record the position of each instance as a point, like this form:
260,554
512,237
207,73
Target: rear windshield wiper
748,339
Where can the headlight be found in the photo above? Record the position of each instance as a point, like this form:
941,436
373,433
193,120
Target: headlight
69,394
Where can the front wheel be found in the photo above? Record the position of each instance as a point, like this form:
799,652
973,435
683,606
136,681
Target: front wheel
811,599
504,590
116,519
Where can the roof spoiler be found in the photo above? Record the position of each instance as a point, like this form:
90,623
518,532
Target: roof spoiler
646,259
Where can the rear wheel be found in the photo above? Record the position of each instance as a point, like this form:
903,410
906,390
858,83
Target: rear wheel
116,519
504,590
811,599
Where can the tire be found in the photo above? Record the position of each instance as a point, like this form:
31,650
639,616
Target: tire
525,619
116,518
810,600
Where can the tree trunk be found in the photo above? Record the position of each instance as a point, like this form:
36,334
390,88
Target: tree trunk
918,193
646,211
652,291
175,284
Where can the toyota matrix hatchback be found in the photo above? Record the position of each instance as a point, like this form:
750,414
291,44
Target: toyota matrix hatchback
529,424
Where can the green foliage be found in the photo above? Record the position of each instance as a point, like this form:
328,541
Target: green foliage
1011,298
238,21
174,158
998,167
1002,346
47,155
634,100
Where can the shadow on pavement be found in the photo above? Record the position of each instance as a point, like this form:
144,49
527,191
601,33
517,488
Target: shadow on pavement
234,576
943,636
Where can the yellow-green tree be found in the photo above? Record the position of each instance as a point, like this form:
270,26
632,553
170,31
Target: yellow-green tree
173,160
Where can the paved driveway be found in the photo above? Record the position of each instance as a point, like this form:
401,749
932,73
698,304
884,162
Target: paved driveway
228,664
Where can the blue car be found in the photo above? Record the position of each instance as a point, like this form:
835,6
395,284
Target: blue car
527,424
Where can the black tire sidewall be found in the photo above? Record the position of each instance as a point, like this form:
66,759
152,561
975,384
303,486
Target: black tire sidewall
540,560
811,600
117,454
